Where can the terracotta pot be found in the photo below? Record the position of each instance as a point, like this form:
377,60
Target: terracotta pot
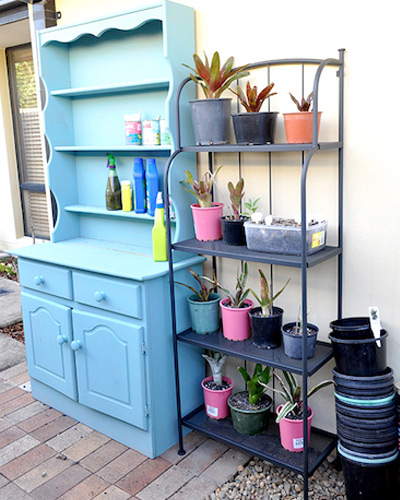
236,321
291,432
216,402
207,221
299,126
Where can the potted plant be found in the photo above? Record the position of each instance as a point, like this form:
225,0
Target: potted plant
206,213
235,309
203,305
266,320
252,209
290,413
250,409
299,126
216,389
293,339
254,126
210,116
232,225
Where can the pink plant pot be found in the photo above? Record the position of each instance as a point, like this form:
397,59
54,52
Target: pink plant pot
291,432
216,402
236,322
207,221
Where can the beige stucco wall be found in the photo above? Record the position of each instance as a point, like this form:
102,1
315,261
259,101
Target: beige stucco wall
264,30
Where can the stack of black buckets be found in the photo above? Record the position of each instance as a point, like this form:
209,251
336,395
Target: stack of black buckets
366,414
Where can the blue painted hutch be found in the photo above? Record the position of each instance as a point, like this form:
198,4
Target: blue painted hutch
96,307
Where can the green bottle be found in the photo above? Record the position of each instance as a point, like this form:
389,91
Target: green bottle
113,190
159,232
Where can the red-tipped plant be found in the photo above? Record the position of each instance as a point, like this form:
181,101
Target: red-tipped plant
214,79
201,189
304,104
251,100
236,195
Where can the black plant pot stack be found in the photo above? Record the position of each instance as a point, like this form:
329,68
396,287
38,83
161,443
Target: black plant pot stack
366,416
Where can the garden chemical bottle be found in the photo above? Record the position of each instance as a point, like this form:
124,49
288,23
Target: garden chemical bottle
113,189
151,185
159,232
126,196
139,183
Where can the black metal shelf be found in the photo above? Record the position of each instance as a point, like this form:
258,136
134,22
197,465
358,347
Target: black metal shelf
266,445
259,148
221,249
275,358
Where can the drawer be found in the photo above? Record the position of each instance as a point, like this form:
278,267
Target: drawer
45,278
111,294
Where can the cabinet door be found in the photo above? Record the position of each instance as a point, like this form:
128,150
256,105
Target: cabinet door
48,333
110,366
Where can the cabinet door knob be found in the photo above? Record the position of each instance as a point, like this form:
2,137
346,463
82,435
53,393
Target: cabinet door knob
61,339
99,296
76,345
38,280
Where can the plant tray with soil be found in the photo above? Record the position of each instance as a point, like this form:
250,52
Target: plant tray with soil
240,400
283,235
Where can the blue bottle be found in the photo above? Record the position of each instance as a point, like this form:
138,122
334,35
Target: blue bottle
151,185
139,183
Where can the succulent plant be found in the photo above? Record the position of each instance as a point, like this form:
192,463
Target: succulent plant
236,194
204,292
214,79
251,100
216,361
254,389
304,104
201,189
265,300
291,394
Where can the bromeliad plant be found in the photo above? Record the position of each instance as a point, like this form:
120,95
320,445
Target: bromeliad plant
237,299
216,361
254,389
291,394
304,104
266,300
236,194
201,189
204,292
252,101
213,79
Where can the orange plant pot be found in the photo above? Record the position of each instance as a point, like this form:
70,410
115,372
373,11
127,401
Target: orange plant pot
299,126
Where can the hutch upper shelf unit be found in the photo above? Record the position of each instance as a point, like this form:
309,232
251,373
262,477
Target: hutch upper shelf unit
96,350
267,445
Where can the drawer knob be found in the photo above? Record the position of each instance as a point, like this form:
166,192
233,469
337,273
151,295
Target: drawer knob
99,296
61,339
76,345
38,280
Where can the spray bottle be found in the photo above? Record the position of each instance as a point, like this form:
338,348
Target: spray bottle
159,232
113,189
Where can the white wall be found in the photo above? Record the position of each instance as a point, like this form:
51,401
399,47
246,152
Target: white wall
263,30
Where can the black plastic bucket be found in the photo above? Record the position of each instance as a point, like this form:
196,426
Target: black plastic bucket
367,423
364,383
373,448
354,328
367,412
360,357
369,477
364,394
367,436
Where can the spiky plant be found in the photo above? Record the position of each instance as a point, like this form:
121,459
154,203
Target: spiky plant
214,79
216,361
254,389
251,100
291,394
265,300
304,104
236,194
201,189
204,292
236,299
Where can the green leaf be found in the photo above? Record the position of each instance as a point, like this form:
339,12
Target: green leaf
319,386
286,408
201,69
244,373
214,72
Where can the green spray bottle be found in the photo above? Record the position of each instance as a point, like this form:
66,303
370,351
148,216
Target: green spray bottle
159,232
113,189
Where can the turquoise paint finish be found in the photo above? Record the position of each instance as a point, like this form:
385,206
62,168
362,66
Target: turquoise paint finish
46,279
112,294
110,367
48,333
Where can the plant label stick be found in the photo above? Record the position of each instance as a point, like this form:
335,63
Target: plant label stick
375,322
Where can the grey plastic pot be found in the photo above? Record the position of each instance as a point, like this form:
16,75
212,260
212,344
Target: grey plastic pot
254,128
293,344
211,118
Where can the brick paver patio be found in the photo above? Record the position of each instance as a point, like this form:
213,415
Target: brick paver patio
45,455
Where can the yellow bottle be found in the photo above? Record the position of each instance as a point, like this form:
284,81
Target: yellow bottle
159,232
126,192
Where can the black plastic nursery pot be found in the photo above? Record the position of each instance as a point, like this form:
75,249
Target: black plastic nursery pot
254,128
363,411
371,384
360,357
384,422
354,328
211,119
369,477
266,331
233,230
367,436
371,448
293,343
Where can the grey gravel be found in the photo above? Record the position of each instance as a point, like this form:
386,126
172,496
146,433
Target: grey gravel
260,480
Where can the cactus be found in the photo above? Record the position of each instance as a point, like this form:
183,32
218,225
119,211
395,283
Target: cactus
265,300
251,100
236,195
216,362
